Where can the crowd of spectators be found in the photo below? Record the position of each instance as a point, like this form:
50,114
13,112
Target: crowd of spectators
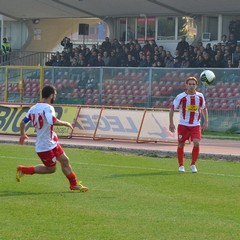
225,54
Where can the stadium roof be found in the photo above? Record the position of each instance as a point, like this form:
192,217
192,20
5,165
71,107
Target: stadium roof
33,9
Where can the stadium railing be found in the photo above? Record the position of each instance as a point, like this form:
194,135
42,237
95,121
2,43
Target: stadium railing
124,87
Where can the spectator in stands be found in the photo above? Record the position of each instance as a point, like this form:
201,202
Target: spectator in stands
199,62
106,45
155,59
138,49
130,61
182,45
229,63
191,51
113,61
6,46
231,43
106,58
124,56
74,62
84,48
115,44
153,45
99,62
224,39
92,59
218,61
199,45
219,47
81,61
207,60
6,49
57,61
236,56
177,55
158,64
66,43
87,55
131,49
192,106
65,61
227,55
119,54
177,63
168,60
146,47
209,49
142,60
149,61
185,63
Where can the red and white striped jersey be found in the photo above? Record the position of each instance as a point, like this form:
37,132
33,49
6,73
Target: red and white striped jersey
42,116
190,107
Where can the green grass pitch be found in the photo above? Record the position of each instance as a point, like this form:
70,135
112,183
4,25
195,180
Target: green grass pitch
130,198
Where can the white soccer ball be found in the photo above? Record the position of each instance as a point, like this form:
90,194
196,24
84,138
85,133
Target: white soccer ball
207,77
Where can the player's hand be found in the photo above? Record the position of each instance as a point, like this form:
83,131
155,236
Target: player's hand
69,125
205,127
172,128
22,139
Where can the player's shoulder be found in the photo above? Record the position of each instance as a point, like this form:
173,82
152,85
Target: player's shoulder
41,106
199,94
181,95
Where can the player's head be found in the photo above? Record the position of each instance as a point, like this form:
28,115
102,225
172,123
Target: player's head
191,79
49,91
191,85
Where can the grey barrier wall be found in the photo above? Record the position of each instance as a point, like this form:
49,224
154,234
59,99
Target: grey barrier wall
125,87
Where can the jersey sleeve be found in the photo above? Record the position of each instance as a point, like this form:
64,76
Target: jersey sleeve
176,103
27,118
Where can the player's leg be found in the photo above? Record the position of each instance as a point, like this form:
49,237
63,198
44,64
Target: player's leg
30,170
183,135
180,155
196,136
68,171
48,166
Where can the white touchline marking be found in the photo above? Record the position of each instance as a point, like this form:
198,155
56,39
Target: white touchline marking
159,169
133,167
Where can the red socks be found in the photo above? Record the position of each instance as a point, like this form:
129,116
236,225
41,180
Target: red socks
195,153
180,154
27,170
72,179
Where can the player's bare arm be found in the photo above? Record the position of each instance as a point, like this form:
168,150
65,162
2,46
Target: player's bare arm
205,116
23,135
63,123
171,124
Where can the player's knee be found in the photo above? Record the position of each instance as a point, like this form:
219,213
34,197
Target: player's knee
196,144
52,169
64,161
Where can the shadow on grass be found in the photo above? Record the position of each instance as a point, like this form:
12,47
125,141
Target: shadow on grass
17,194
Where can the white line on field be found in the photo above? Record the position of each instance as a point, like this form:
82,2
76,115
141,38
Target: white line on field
157,169
132,167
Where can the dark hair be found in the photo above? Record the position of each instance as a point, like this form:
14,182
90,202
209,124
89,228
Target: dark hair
47,91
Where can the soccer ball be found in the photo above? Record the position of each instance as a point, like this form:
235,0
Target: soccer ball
207,77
